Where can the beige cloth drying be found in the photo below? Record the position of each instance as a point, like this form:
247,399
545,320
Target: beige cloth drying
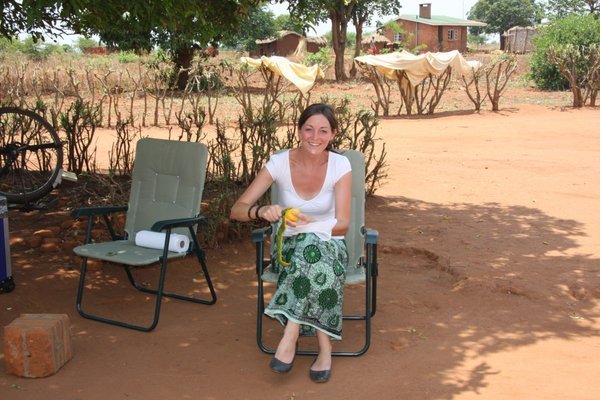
299,75
419,67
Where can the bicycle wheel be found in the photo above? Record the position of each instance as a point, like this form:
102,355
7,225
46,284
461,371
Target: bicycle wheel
30,155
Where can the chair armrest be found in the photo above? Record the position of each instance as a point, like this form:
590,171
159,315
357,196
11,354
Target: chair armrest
92,211
104,212
371,236
177,222
260,234
259,237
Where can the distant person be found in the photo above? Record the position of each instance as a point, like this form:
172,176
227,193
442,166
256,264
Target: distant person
372,46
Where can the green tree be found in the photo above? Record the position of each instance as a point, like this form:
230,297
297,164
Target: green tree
34,49
363,13
351,38
562,8
576,30
179,26
83,43
501,15
260,24
286,22
340,13
475,40
35,17
176,25
125,36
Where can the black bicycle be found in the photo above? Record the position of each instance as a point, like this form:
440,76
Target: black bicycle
31,156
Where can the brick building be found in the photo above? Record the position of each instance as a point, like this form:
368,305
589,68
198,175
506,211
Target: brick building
438,33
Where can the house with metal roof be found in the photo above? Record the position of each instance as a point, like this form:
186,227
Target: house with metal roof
435,32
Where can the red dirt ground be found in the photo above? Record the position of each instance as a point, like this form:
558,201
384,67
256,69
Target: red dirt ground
489,282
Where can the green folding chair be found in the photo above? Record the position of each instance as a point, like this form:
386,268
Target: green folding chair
362,251
166,191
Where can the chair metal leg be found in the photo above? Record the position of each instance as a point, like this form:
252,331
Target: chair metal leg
204,269
123,324
373,271
370,304
159,291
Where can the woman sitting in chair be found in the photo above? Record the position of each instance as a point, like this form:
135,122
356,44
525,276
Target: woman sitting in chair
318,183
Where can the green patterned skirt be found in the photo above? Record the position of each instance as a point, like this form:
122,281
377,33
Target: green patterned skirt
310,291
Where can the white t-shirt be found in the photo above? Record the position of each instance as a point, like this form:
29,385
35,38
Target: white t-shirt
321,208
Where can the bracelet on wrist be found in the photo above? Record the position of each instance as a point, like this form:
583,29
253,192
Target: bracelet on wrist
258,209
250,211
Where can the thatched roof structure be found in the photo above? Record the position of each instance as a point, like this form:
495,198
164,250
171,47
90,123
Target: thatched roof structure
288,43
280,35
374,37
318,40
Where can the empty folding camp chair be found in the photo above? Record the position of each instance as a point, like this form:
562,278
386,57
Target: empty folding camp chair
362,260
166,191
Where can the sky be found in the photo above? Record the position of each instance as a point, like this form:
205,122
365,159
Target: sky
448,8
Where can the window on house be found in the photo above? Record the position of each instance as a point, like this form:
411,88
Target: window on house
398,37
452,34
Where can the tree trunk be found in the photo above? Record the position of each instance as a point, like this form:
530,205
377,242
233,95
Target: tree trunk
340,15
593,96
338,33
357,46
577,96
502,42
183,61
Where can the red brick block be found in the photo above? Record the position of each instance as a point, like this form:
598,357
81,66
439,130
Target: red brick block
37,345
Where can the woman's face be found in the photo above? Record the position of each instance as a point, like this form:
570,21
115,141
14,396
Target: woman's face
316,134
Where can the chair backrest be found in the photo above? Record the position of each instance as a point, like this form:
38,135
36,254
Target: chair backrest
355,237
167,183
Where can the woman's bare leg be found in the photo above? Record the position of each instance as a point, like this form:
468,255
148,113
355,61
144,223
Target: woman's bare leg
323,361
287,345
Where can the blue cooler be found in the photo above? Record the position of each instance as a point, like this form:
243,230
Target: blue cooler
7,283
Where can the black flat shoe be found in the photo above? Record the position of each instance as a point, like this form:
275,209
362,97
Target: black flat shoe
320,376
280,367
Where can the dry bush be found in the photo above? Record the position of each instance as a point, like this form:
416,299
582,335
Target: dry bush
88,93
497,74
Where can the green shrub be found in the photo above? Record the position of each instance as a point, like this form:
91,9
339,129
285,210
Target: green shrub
160,66
350,39
6,47
53,48
322,57
85,43
576,30
126,57
36,51
156,58
475,41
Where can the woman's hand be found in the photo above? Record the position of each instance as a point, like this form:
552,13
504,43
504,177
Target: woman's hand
301,219
273,213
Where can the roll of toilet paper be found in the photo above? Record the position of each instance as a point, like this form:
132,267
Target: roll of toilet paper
156,240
